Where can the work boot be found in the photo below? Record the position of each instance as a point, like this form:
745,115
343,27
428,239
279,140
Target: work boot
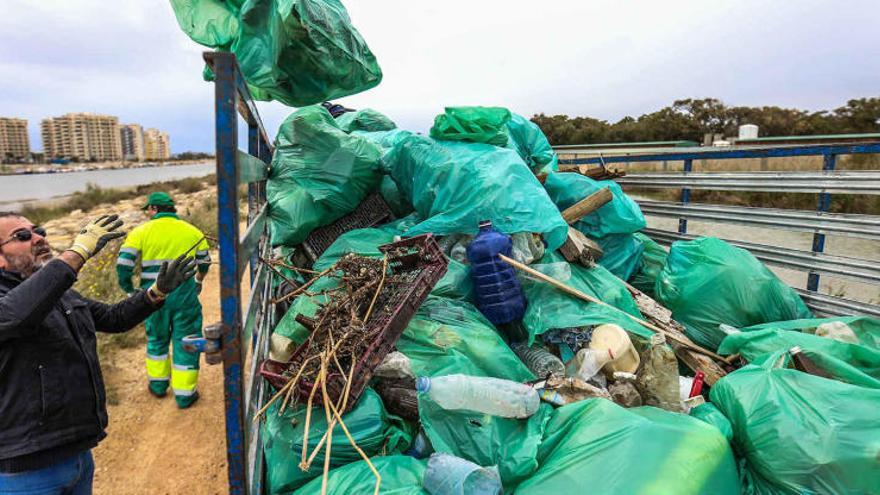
186,401
158,389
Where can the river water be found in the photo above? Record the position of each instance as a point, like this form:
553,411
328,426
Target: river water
16,190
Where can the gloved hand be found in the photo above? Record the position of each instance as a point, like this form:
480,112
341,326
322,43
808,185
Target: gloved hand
95,235
172,275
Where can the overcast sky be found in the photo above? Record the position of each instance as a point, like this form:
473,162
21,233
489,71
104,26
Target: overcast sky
605,59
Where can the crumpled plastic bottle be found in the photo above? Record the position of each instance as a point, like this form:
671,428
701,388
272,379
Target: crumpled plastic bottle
539,360
451,475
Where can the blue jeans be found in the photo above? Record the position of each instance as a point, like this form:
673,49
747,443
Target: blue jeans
69,477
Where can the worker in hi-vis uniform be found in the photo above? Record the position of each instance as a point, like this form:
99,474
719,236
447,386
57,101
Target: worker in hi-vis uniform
163,238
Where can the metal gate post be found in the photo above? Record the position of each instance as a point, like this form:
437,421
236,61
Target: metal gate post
226,99
828,163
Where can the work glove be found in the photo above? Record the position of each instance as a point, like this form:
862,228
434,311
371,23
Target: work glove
95,235
172,275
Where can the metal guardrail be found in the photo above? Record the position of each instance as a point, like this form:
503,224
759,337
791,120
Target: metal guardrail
242,328
819,222
864,226
800,182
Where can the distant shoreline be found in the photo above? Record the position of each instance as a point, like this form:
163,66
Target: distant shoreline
45,168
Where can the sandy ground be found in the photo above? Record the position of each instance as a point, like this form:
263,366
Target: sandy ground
154,447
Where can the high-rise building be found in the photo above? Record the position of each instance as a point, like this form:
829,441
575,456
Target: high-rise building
14,142
82,137
132,136
157,146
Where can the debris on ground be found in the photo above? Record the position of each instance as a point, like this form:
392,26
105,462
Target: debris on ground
558,349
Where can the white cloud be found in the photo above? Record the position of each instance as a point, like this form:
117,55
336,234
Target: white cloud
603,58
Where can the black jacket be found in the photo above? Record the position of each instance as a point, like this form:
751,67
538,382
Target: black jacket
52,400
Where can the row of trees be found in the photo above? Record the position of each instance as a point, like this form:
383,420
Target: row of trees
693,118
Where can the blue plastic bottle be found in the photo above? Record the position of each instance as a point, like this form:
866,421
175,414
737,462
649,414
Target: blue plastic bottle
499,295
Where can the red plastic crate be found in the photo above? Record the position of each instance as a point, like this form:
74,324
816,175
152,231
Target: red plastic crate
423,263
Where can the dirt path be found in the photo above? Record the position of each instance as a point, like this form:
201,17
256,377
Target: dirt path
152,446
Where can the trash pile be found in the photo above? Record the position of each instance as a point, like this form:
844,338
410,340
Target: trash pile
456,315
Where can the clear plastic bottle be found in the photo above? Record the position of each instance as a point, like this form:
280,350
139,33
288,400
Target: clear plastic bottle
587,363
492,396
539,360
451,475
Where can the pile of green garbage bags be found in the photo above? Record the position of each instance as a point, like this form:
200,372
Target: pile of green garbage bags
297,52
707,282
319,173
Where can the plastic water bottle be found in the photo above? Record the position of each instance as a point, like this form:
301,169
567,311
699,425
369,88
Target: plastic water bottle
492,396
587,363
498,292
538,360
450,475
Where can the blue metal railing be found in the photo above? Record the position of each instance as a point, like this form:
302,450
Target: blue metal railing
820,222
241,328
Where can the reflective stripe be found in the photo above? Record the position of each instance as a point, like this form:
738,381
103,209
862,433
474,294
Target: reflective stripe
146,263
163,357
124,262
149,275
158,369
183,393
184,381
182,367
165,379
132,251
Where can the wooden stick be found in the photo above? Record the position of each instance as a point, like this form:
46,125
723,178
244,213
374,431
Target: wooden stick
346,394
305,451
587,205
580,295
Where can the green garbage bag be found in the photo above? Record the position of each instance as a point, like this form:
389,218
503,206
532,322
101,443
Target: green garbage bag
851,363
623,254
710,414
365,119
551,308
391,194
401,475
596,446
798,433
298,52
866,329
707,282
453,186
621,215
530,142
375,431
447,337
651,263
510,444
474,124
319,173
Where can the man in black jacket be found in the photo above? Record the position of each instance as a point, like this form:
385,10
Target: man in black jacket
52,401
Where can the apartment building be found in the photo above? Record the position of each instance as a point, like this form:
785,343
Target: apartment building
133,146
82,137
14,142
157,145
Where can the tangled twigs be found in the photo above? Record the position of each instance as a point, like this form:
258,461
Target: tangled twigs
378,289
301,288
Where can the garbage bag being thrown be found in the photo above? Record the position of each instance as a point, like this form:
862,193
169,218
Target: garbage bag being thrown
298,52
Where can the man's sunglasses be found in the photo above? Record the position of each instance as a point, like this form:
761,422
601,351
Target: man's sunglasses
24,235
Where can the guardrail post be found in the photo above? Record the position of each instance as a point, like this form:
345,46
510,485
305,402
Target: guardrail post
226,99
828,163
685,198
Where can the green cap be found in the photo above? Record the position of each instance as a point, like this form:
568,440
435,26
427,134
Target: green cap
158,199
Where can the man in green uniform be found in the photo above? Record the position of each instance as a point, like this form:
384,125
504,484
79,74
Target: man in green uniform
164,238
